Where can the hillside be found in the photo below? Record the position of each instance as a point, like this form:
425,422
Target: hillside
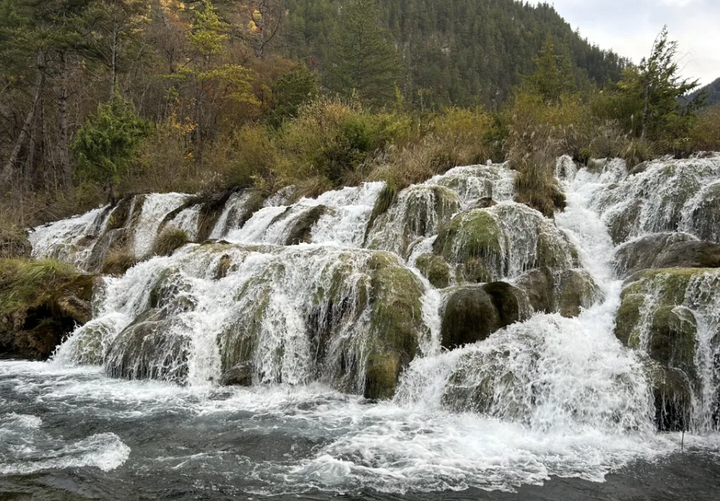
712,90
462,52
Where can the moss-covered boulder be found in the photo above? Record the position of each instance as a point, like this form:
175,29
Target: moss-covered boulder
150,348
41,302
396,324
566,292
435,269
666,250
473,239
703,214
539,285
470,316
170,240
503,241
472,313
658,315
673,395
419,211
300,231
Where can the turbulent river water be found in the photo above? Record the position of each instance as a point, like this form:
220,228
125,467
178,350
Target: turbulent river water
577,422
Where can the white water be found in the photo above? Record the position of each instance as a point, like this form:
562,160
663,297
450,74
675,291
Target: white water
550,396
154,210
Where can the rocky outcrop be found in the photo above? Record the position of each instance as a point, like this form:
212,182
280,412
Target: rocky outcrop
666,250
566,292
659,317
41,302
503,241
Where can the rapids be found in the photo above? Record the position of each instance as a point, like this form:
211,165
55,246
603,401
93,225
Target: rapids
320,303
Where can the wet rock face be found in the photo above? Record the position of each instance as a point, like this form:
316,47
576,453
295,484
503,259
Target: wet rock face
666,250
565,292
472,313
670,315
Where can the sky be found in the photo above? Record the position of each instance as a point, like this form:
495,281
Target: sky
629,28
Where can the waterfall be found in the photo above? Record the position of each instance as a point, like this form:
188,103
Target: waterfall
329,318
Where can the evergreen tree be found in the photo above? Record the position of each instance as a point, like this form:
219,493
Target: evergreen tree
553,74
648,99
105,146
365,62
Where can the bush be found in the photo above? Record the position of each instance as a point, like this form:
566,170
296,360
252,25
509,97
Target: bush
169,241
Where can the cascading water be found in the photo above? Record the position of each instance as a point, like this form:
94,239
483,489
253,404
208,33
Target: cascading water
309,307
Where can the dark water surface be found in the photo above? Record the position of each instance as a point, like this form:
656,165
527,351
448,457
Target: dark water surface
74,434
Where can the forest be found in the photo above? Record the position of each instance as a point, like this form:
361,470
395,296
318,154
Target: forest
102,98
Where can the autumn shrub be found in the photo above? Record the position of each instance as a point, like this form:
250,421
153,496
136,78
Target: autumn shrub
705,134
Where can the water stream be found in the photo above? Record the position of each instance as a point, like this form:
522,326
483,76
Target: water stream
545,399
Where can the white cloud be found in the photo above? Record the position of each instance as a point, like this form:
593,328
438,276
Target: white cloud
629,27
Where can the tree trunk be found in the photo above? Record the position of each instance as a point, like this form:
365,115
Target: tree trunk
62,147
113,62
25,133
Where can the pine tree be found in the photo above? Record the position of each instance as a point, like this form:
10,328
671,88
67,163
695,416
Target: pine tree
365,63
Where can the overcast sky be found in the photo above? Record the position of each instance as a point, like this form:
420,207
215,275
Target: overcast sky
629,27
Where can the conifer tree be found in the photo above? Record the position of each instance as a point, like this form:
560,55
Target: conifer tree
364,61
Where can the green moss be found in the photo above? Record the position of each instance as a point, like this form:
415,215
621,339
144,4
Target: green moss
396,324
435,269
475,234
169,241
672,340
628,320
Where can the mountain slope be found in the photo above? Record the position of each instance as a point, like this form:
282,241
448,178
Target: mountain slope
461,52
712,91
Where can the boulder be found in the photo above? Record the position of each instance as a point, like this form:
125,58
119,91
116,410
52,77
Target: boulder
472,313
435,269
666,250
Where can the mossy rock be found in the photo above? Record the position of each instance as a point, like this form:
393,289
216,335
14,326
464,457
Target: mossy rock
435,269
622,224
705,216
41,303
169,241
396,324
672,340
539,286
148,349
301,229
666,250
474,234
470,315
672,395
576,290
419,211
628,320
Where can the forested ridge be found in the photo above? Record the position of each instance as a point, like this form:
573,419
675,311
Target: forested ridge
101,98
461,52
